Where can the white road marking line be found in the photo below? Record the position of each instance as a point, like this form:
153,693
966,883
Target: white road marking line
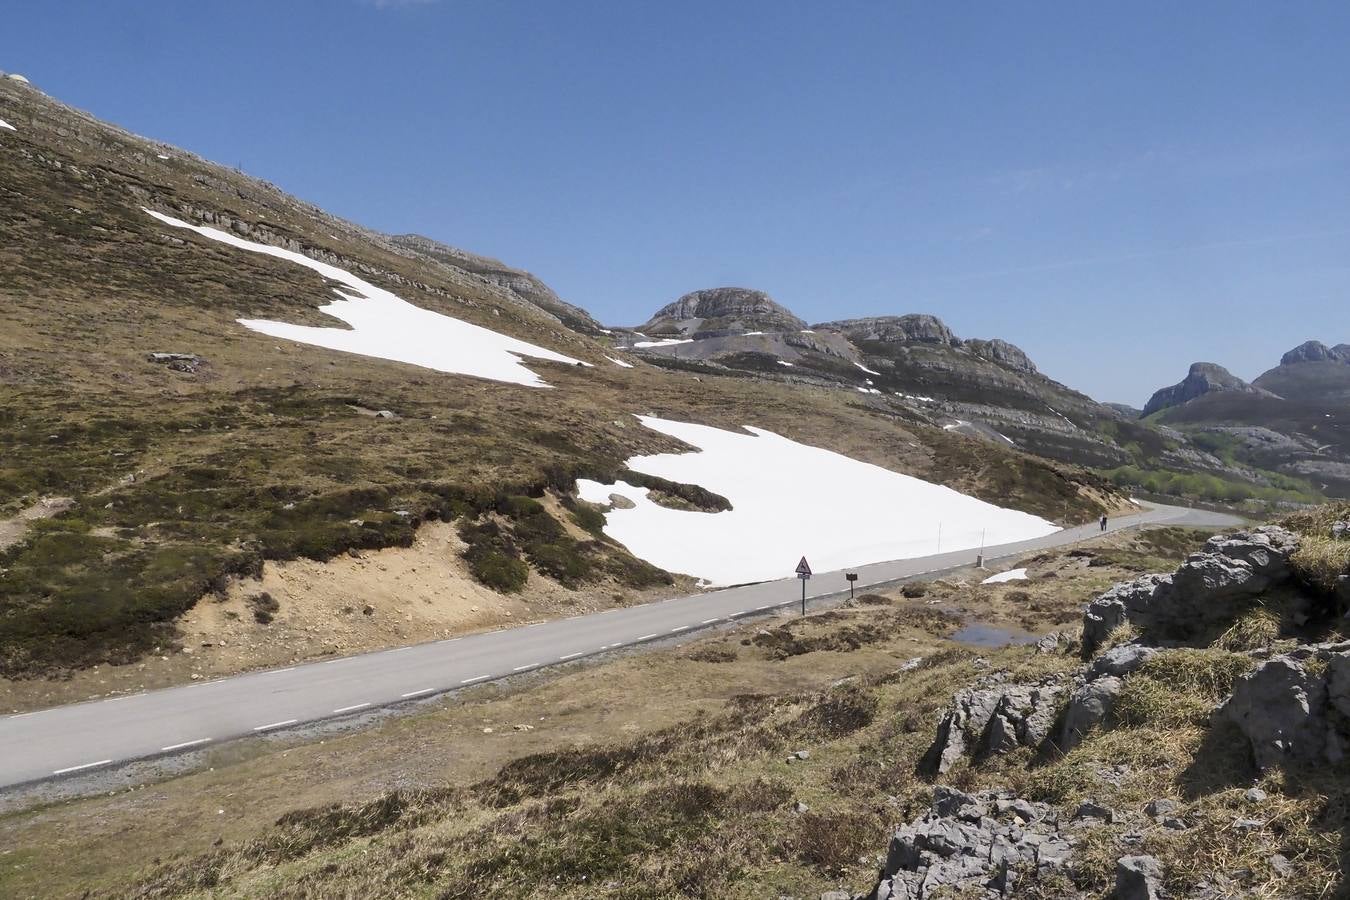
101,762
647,637
616,644
185,744
354,706
452,640
709,621
523,668
19,716
279,671
417,693
572,655
475,678
766,606
329,661
680,628
115,699
740,613
399,649
275,725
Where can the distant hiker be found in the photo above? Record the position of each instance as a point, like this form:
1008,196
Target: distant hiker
1103,523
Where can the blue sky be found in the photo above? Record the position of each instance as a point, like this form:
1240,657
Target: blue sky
1121,189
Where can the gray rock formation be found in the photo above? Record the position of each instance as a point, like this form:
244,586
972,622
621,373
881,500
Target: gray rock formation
1204,590
1295,708
973,845
1316,351
1138,878
916,328
721,311
1001,352
518,283
1089,705
1203,378
992,717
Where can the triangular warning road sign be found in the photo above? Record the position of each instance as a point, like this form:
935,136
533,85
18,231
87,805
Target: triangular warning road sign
804,568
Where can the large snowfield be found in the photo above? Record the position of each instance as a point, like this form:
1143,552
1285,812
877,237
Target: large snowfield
385,325
791,500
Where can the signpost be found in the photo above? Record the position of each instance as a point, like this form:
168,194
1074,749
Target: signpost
803,572
851,577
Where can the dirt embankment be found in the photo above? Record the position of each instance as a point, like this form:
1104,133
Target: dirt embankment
303,609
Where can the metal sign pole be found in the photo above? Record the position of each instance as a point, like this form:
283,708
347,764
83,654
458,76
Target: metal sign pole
803,573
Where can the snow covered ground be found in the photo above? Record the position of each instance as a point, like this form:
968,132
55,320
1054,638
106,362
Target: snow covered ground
665,342
4,124
619,362
791,500
385,325
1010,575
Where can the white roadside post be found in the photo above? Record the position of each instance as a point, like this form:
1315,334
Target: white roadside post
803,573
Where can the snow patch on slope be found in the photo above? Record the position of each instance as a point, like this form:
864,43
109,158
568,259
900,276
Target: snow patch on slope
386,326
791,500
1010,575
667,342
619,362
4,124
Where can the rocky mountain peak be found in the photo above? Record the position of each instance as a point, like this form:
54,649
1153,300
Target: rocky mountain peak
915,328
1316,351
1203,378
720,311
1003,353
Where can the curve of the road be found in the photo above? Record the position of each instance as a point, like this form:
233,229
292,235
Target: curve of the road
98,735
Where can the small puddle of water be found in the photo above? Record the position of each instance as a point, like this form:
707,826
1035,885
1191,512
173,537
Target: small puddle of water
980,634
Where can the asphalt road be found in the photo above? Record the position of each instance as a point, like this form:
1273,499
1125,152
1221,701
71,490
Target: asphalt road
97,735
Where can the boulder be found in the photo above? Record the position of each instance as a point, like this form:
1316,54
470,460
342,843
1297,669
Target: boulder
1279,706
1138,878
1120,661
992,718
1089,705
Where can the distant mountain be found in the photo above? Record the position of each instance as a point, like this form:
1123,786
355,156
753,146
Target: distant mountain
718,312
1292,420
913,364
1203,378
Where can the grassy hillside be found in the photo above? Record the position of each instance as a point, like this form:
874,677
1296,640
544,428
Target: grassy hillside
267,449
670,773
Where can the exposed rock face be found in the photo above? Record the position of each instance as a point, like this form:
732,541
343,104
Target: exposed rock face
1089,705
1003,353
519,284
917,328
973,845
1138,878
1203,378
1295,708
1202,591
721,311
992,718
1316,351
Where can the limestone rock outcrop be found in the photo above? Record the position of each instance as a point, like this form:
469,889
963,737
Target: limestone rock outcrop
1202,591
